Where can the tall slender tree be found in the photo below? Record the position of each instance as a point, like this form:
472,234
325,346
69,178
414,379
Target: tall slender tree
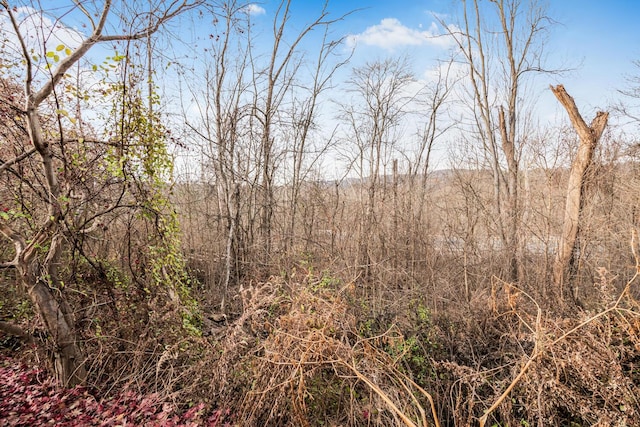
255,119
372,119
501,42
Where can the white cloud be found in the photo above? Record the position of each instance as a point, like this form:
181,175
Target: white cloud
390,34
254,9
37,30
453,71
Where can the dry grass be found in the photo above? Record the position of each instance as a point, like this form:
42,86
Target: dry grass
580,370
297,356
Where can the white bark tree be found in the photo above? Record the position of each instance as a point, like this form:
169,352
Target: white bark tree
589,136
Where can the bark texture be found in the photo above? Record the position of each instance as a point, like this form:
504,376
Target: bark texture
589,136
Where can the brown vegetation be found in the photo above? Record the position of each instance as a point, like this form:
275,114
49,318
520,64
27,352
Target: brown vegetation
396,295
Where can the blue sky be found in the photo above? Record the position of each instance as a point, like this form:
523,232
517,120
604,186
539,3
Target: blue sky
601,39
598,40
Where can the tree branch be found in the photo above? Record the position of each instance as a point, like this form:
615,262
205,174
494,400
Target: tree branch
75,56
598,124
155,26
23,46
572,109
8,163
16,331
18,242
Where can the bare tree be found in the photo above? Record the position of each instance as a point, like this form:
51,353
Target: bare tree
431,102
305,150
372,119
222,112
632,94
38,274
589,136
271,85
499,58
257,118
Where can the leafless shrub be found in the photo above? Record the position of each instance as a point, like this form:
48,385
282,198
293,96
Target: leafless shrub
581,369
296,353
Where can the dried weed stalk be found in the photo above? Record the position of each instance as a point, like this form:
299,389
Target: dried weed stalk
583,356
312,368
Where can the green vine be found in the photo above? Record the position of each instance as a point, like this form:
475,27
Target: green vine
141,156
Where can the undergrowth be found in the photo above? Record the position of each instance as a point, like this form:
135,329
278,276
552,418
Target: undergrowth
299,354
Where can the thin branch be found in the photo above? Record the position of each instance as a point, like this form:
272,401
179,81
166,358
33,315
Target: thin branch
69,61
23,46
18,242
8,163
87,14
155,26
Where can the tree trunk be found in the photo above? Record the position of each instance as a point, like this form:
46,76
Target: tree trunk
513,216
67,358
589,137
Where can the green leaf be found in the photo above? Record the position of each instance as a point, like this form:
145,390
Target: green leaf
59,47
67,51
56,58
50,54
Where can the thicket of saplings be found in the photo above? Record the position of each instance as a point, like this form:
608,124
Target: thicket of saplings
429,331
389,298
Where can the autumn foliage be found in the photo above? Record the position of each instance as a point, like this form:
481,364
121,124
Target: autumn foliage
28,396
